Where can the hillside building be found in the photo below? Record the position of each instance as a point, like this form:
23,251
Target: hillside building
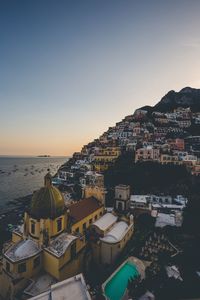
105,157
147,153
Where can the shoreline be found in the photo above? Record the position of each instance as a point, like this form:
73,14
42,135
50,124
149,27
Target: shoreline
12,217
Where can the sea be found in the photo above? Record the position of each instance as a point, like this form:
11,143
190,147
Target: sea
21,176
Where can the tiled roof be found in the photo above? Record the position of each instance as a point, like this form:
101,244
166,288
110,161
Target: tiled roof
83,208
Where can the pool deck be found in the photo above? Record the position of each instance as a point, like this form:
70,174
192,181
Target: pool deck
140,268
139,265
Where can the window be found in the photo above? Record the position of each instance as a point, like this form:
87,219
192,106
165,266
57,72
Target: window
33,227
95,217
59,224
84,226
36,262
90,221
77,230
73,250
7,267
22,268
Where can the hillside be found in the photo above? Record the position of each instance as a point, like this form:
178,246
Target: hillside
187,97
175,118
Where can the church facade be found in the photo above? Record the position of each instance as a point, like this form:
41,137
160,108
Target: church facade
52,240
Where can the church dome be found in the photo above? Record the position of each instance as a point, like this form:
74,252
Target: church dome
47,202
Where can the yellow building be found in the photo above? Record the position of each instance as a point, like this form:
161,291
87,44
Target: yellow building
94,187
105,157
110,236
52,240
170,159
95,191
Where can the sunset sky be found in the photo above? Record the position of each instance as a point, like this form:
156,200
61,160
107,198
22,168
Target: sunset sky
71,69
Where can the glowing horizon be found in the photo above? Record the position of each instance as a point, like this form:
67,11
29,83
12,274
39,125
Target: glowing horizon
70,70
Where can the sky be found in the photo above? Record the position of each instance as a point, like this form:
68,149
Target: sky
70,69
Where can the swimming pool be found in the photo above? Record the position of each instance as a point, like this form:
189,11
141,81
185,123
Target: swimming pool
116,286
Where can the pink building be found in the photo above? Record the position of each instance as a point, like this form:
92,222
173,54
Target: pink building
177,144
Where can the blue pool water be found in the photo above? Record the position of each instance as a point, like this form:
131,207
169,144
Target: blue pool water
117,285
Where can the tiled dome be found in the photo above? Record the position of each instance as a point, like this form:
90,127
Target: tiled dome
48,202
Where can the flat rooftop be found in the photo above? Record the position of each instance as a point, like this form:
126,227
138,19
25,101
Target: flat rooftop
165,219
39,284
139,198
73,288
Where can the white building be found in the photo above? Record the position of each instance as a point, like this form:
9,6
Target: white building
146,201
73,288
181,200
163,219
160,199
190,159
139,201
173,272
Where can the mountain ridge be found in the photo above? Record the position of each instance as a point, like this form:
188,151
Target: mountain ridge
186,97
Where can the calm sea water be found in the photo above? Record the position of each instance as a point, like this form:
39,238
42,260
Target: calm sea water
20,176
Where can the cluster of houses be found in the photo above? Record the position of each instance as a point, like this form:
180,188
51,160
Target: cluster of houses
166,210
162,137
